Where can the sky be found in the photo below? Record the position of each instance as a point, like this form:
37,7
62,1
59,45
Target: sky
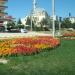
21,8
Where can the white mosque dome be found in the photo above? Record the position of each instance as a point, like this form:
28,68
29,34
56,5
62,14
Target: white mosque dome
39,11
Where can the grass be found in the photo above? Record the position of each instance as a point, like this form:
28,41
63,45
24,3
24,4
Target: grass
59,61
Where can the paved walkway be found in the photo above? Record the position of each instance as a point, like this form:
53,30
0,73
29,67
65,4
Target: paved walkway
29,34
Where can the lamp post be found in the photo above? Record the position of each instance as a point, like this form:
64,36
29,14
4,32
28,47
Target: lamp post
53,17
31,20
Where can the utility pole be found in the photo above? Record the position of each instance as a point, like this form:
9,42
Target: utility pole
60,26
53,17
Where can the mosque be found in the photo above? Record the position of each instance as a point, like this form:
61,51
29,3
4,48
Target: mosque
37,14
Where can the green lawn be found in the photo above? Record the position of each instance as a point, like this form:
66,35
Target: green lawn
59,61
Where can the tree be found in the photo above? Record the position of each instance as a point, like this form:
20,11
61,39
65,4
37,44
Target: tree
28,22
44,24
57,24
20,25
66,23
10,25
44,21
19,22
73,25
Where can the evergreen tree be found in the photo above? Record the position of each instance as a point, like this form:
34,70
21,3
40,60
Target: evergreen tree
28,22
20,25
19,22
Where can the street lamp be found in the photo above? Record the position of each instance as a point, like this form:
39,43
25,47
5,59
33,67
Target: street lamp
53,17
31,20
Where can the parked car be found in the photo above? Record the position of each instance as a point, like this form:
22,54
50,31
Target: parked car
24,30
14,31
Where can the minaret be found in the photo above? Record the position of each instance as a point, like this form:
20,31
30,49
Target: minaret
34,5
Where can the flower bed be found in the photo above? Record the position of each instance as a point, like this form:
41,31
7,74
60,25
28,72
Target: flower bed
69,35
27,45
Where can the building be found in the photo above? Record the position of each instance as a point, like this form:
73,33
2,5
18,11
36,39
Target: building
72,19
36,16
2,12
